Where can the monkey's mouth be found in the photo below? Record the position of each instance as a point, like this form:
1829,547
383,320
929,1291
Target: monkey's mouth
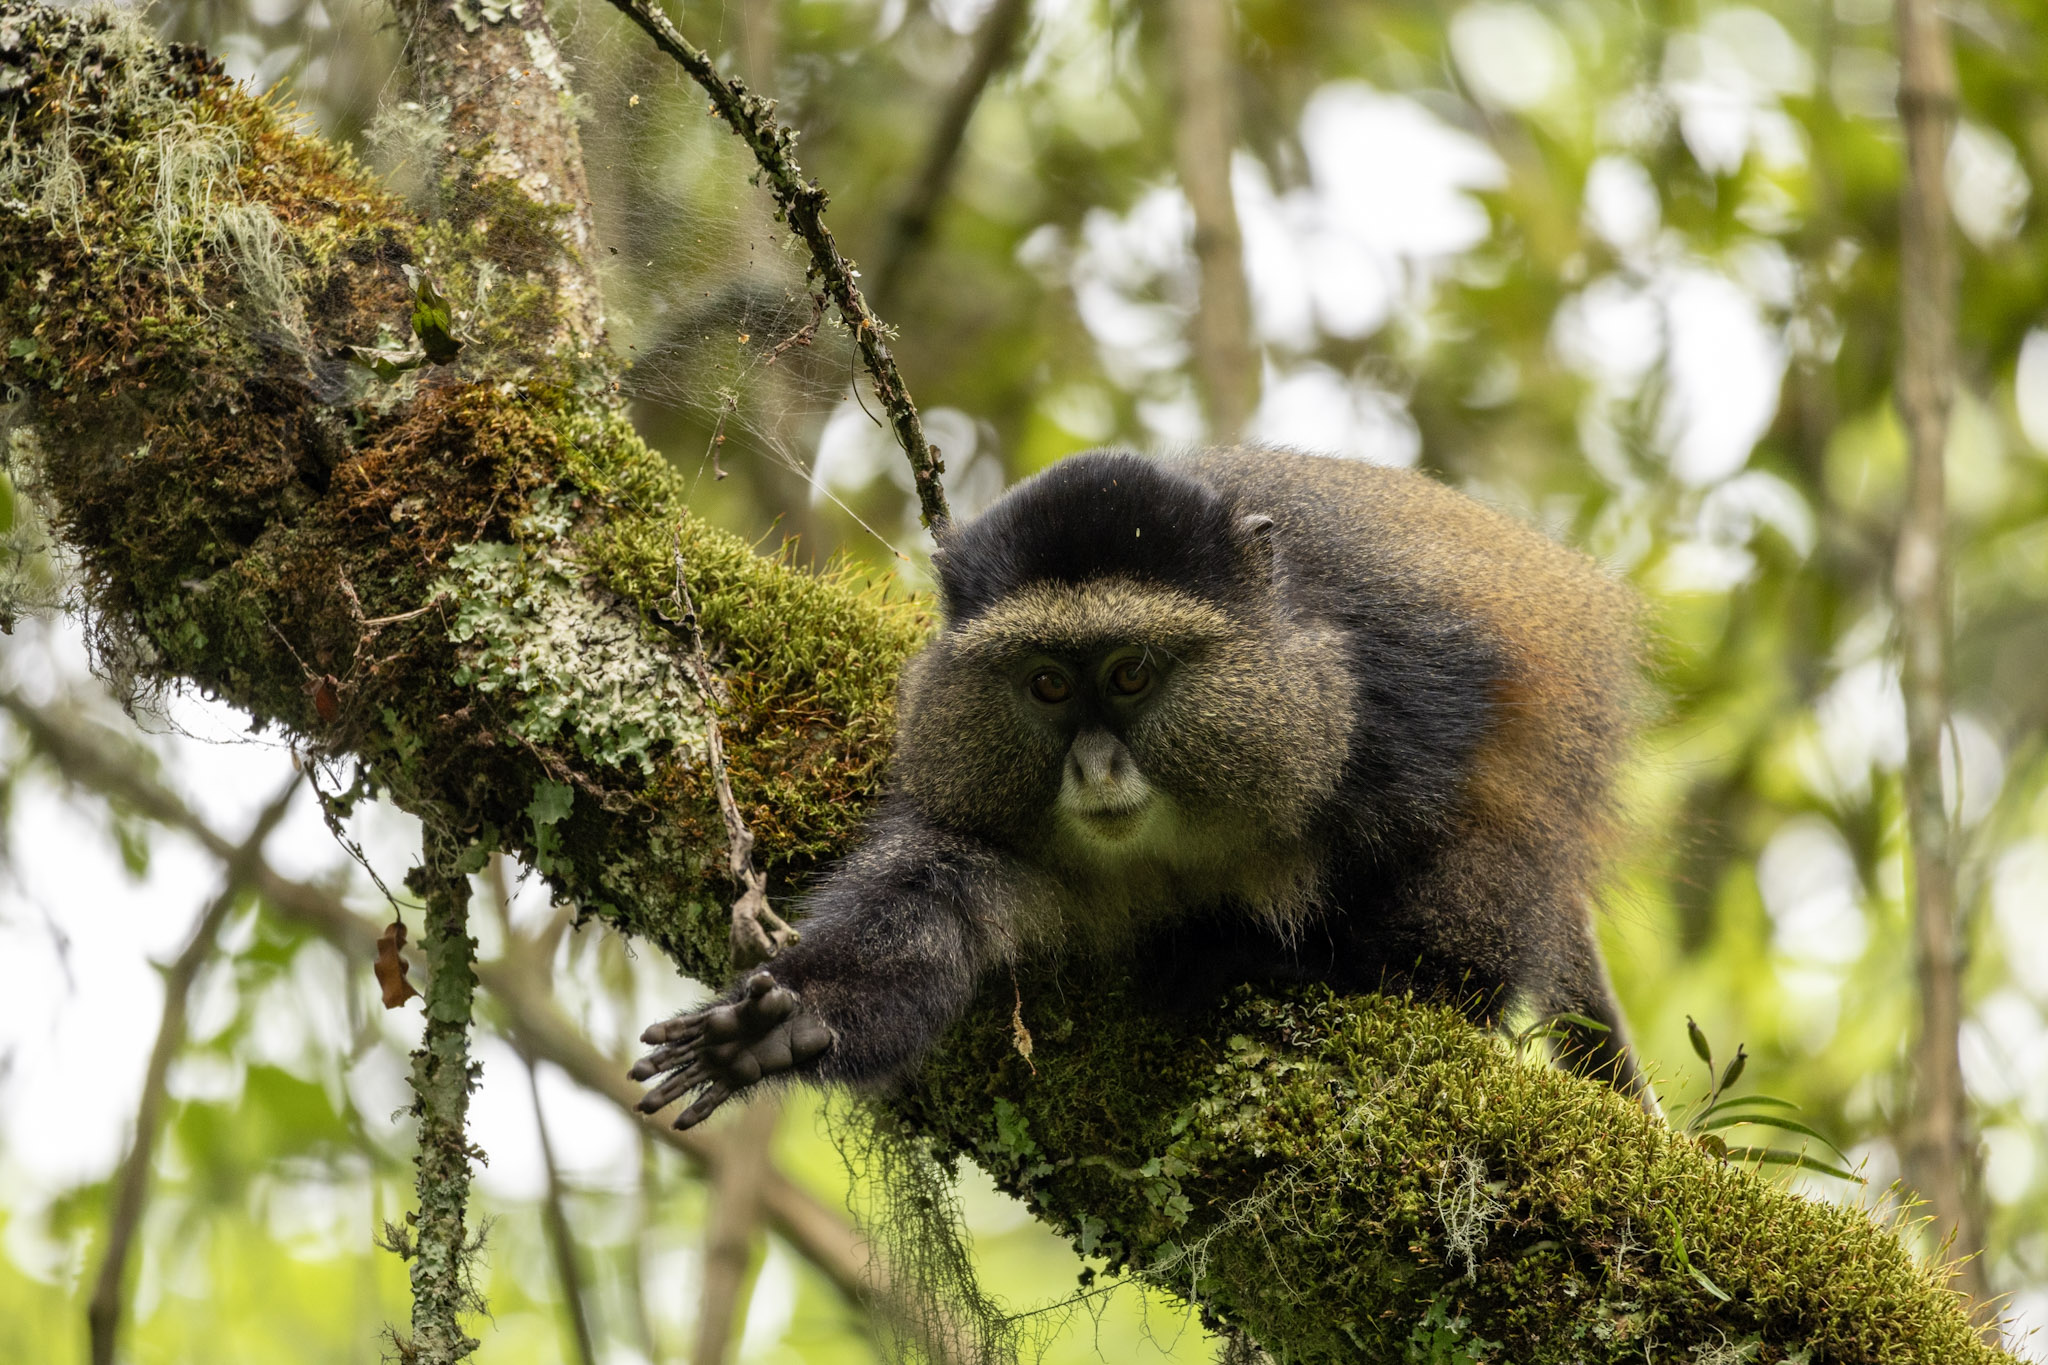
1112,821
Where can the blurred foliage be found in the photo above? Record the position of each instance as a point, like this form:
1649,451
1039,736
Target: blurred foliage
1626,267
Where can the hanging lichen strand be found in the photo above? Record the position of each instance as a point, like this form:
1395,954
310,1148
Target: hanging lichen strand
460,573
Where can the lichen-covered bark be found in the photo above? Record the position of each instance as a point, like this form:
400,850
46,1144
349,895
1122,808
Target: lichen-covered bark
442,1078
1350,1179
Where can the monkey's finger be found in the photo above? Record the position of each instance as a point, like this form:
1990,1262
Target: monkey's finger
672,1087
773,1053
723,1023
809,1036
700,1110
769,1008
662,1059
676,1030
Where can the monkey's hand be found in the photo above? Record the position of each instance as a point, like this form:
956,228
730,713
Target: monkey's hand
722,1049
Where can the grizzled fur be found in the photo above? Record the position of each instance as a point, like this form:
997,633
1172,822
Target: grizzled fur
1373,741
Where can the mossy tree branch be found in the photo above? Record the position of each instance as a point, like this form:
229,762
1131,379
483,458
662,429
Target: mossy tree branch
1335,1175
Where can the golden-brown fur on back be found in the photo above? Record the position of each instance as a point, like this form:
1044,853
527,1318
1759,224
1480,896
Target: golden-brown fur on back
1568,633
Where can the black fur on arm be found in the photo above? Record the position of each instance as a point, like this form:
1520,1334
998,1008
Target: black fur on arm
892,944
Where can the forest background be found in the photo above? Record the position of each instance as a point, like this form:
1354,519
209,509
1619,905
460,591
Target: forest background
1628,270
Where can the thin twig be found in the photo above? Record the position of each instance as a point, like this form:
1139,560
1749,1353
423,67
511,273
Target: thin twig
555,1219
801,203
758,933
131,1184
994,43
554,1214
1939,1159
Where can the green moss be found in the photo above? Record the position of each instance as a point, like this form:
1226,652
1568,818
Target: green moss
1341,1174
422,573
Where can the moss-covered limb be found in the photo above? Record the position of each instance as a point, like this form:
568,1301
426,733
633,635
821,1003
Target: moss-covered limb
458,575
1354,1179
801,204
443,1076
248,509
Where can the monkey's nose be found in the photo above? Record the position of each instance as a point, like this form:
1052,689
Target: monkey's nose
1097,760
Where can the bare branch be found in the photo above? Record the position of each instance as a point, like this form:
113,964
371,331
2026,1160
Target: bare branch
1205,59
555,1218
732,1229
1939,1150
994,43
801,204
131,1183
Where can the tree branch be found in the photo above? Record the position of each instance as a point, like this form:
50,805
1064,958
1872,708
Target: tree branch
443,1077
131,1182
800,203
732,1227
1939,1151
994,43
555,1220
1205,60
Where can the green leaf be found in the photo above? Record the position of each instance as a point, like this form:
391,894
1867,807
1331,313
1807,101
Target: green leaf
1773,1121
433,321
1767,1101
1774,1156
1716,1290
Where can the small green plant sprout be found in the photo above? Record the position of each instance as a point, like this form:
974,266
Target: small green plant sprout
1717,1111
433,332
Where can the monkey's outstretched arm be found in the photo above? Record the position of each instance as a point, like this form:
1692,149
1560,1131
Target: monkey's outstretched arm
891,948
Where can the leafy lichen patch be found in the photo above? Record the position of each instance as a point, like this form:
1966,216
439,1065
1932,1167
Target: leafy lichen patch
581,669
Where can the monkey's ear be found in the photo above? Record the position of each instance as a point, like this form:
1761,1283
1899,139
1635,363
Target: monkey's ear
1255,536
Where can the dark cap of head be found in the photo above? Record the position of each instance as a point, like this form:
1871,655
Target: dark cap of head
1105,514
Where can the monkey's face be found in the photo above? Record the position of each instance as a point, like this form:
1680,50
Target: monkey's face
1119,720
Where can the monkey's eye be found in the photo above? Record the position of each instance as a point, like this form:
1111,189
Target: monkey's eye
1050,685
1130,677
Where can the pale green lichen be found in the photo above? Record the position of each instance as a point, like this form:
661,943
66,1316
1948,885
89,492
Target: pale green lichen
474,14
582,668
